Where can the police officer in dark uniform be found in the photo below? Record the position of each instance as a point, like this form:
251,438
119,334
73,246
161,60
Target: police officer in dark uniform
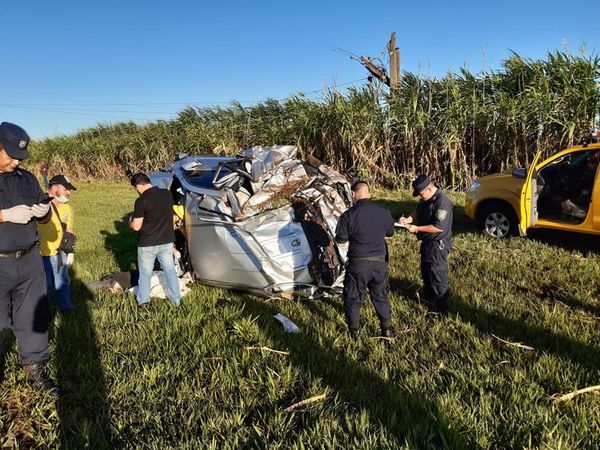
24,306
432,222
365,227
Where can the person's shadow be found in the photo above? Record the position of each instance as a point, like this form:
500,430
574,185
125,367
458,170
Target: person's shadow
494,323
83,408
571,241
122,243
7,341
409,417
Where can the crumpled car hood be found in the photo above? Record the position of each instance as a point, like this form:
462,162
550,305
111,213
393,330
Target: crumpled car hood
262,221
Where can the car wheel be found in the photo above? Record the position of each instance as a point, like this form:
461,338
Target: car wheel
498,221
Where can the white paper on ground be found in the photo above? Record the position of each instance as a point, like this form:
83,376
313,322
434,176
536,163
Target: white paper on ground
288,325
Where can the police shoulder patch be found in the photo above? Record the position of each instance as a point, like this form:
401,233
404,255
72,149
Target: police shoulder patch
441,214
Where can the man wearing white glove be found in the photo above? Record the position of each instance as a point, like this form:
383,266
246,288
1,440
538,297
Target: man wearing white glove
57,258
40,210
20,214
24,306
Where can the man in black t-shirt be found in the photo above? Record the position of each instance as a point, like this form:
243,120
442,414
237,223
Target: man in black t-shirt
153,219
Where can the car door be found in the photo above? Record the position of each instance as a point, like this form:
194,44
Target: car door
529,197
595,204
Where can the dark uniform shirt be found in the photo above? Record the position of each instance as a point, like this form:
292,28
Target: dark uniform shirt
155,205
18,188
365,226
436,211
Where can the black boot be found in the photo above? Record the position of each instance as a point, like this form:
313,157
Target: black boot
354,333
442,304
2,359
388,332
441,307
34,376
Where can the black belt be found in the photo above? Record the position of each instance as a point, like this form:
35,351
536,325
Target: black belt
17,254
369,258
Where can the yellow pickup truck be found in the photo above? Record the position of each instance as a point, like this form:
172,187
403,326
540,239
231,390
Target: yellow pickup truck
561,193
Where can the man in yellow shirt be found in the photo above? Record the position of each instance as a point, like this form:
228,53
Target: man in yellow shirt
56,261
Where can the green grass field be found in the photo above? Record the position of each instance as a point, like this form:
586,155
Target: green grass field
185,378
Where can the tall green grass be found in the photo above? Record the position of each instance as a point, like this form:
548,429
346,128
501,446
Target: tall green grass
455,127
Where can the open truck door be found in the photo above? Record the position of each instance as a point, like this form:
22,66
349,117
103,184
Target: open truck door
529,198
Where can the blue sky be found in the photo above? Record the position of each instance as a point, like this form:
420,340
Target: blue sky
69,64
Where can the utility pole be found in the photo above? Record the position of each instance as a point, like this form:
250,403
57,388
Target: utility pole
394,55
378,70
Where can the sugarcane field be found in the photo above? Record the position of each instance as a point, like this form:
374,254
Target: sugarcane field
287,226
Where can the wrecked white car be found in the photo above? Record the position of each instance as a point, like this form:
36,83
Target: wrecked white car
261,222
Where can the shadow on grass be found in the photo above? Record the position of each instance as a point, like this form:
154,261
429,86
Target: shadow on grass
575,303
550,293
82,408
537,337
407,416
540,338
584,243
7,341
122,244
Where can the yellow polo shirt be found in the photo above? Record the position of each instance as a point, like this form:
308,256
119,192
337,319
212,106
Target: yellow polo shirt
179,211
51,232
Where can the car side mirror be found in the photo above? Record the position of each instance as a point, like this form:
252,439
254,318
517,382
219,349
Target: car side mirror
519,172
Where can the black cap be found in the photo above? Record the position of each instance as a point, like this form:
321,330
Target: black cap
15,140
420,183
62,180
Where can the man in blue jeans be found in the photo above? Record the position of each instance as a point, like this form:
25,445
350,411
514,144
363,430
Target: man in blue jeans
56,261
153,219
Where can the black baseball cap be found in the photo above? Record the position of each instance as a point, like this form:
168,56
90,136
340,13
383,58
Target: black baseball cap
62,180
419,184
15,140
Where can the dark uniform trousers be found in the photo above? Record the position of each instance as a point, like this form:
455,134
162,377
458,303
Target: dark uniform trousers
360,276
434,270
24,305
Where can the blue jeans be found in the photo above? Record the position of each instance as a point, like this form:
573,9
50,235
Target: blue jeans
146,258
58,281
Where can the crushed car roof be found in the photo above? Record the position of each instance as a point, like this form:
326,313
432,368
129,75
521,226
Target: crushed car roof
262,221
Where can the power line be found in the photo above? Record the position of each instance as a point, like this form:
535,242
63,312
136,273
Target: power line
138,104
60,108
193,102
79,110
328,88
77,113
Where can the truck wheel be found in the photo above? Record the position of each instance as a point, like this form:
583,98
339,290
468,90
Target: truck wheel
498,221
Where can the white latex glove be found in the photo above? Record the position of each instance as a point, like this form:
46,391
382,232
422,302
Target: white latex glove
17,214
70,260
40,210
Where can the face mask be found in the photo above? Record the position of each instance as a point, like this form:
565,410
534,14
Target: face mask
62,198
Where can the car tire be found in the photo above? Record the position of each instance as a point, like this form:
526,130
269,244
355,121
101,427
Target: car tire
498,221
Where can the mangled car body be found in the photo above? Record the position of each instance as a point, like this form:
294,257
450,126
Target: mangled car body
262,221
